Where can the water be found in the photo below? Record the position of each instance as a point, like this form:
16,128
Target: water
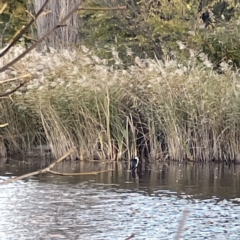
112,205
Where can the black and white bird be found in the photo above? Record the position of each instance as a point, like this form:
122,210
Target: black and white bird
134,163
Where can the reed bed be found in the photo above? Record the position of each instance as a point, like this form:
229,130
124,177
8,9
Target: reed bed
161,110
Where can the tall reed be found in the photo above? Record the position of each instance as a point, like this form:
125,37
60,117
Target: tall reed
159,110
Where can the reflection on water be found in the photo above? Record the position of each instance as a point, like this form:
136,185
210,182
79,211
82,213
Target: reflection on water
198,180
113,205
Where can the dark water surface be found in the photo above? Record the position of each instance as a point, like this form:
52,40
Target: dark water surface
112,205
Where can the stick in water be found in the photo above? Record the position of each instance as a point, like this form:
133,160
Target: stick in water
45,170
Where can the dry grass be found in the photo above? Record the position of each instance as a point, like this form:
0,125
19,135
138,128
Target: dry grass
163,110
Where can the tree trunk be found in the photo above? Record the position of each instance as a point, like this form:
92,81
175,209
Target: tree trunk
63,37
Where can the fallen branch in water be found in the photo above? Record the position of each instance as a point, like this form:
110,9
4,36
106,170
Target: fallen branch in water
79,174
45,170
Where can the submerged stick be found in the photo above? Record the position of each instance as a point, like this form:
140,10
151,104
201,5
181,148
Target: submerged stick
45,170
79,174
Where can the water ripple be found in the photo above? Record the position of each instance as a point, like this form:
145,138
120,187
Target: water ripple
35,210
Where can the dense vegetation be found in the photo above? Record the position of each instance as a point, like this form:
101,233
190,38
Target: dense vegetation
157,27
163,110
160,80
147,28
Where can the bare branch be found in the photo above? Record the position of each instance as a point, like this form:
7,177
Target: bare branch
48,169
24,29
45,170
14,90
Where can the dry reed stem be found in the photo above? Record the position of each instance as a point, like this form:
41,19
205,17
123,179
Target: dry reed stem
3,125
16,34
3,8
45,170
16,78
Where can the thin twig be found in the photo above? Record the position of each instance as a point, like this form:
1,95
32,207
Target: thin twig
14,90
16,34
16,78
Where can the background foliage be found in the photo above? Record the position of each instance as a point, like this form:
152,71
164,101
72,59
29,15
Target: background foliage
155,27
13,18
161,28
